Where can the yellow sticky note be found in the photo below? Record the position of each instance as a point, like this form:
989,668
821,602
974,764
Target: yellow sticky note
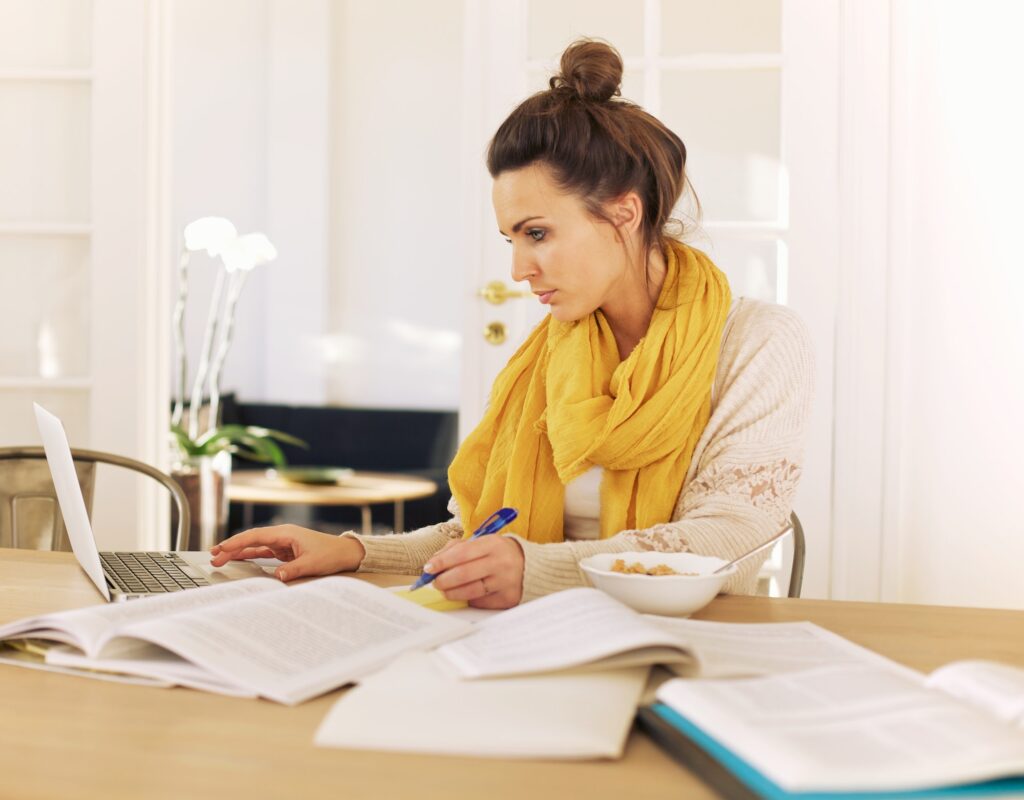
429,597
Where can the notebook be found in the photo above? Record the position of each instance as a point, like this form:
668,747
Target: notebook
847,731
123,575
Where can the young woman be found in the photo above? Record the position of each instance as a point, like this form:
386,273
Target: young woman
649,411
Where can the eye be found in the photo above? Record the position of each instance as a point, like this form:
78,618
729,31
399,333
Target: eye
507,239
537,234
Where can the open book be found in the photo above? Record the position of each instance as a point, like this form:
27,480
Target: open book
559,677
858,728
248,637
585,628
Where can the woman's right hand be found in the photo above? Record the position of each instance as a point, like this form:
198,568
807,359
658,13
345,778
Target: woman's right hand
306,552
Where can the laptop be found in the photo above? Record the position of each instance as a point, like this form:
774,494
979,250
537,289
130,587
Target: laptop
124,575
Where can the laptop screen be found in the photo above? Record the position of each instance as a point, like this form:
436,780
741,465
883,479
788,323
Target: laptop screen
69,496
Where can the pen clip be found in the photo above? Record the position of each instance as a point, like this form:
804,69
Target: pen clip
498,520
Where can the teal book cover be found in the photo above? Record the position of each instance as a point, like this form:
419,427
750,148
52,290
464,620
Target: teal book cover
733,777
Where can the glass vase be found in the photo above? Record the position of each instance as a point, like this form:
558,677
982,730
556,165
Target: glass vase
204,479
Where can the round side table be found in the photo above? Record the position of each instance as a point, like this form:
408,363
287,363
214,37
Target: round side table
362,489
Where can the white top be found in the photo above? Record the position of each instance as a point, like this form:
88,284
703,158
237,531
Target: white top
582,515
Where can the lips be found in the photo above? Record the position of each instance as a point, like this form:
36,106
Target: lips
545,297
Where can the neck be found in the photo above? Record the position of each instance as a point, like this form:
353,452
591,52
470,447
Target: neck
629,312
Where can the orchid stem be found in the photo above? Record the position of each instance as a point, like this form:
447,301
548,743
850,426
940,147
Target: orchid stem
227,332
179,338
204,358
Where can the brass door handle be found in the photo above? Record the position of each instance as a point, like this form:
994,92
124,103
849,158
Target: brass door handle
495,332
496,293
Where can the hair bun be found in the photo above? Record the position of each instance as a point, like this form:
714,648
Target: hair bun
590,68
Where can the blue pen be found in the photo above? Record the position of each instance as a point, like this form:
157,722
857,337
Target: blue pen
494,523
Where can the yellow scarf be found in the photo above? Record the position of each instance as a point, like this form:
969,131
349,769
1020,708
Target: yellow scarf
565,403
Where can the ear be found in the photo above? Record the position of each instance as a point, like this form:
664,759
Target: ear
627,212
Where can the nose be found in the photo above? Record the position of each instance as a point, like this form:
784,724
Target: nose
523,266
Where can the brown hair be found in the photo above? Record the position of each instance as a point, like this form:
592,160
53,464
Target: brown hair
597,147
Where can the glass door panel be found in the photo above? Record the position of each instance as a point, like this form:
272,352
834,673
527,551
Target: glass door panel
18,422
756,268
553,24
44,152
44,290
729,121
689,27
45,34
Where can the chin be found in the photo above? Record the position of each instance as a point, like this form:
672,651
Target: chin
564,313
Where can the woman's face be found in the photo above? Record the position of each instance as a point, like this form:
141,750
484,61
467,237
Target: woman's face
573,261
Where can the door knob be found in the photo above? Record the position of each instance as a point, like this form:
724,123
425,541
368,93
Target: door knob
495,332
496,293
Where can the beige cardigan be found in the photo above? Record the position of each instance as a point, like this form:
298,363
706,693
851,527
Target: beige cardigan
738,491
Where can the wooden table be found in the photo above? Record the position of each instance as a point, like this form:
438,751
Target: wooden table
64,736
361,489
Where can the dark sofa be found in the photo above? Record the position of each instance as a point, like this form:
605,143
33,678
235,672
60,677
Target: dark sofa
382,440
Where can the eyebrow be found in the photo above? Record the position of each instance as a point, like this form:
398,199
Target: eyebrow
518,225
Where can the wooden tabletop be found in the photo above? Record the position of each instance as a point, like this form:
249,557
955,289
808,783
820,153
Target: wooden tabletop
360,488
63,736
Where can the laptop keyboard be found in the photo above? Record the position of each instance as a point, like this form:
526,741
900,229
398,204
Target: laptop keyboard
145,573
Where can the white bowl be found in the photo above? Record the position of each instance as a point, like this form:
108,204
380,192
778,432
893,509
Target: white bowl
669,595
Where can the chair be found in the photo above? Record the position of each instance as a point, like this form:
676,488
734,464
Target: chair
29,516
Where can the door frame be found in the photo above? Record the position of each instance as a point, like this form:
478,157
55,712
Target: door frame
131,264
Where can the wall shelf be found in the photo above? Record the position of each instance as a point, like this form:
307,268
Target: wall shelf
47,75
76,384
44,229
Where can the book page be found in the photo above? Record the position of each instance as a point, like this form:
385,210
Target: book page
417,705
849,728
292,645
564,629
20,658
988,685
132,657
88,628
736,649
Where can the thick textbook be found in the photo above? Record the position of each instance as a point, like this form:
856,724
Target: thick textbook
850,731
586,628
253,637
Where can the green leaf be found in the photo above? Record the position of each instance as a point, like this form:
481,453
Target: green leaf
247,441
187,446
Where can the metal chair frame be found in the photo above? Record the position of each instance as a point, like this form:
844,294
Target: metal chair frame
98,457
796,573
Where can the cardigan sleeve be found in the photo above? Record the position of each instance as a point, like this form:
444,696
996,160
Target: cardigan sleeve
739,490
406,553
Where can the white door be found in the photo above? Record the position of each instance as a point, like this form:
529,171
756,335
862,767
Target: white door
750,87
80,294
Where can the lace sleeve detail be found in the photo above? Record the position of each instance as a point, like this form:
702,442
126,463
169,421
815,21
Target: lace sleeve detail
726,510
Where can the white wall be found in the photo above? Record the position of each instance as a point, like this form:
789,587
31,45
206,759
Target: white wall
957,340
250,142
219,107
334,128
397,248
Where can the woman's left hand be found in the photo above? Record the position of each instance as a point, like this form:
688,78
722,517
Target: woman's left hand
488,572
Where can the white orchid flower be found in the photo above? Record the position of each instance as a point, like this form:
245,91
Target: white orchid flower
246,252
211,234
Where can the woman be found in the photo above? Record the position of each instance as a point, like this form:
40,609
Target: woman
648,412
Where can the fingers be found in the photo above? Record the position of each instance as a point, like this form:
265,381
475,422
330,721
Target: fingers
487,572
254,552
235,547
466,581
